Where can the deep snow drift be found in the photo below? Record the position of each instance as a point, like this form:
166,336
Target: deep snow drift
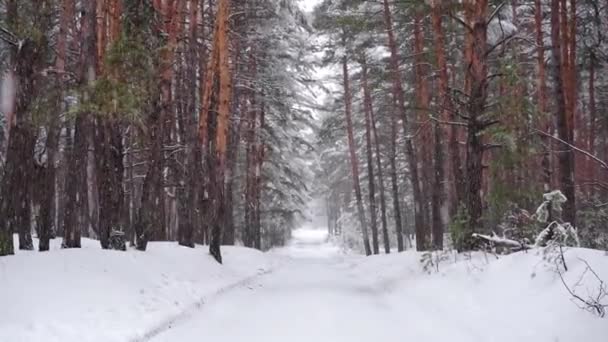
315,292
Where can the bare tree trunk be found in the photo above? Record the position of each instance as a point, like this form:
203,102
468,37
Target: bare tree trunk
353,156
478,71
592,123
76,175
249,235
398,93
218,73
546,164
565,158
386,238
439,187
47,208
260,155
395,182
367,99
151,216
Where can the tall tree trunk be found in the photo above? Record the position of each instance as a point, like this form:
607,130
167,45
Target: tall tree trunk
353,155
476,106
76,175
423,102
151,216
546,164
218,87
592,122
110,169
385,236
187,194
367,100
47,208
260,155
398,93
27,59
445,103
395,181
250,163
566,157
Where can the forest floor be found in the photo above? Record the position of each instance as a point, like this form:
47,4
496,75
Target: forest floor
308,291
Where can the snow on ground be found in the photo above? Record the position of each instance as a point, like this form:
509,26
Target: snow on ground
88,294
316,292
320,294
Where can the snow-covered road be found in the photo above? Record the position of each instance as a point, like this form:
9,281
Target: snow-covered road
319,294
311,297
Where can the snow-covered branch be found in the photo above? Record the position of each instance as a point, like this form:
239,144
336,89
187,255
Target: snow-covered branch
503,242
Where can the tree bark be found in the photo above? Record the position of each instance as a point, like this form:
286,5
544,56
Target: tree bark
439,187
385,234
566,157
218,73
151,216
592,122
395,181
398,93
476,106
27,61
367,100
547,170
353,155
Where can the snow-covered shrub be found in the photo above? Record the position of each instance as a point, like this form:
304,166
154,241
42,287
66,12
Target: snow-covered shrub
517,224
431,260
117,240
543,227
552,203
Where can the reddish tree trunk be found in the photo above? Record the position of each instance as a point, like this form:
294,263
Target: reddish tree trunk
399,95
367,100
353,155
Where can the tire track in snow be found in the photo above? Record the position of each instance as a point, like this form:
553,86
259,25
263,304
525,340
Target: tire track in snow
192,309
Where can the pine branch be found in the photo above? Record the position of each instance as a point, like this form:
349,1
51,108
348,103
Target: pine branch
602,163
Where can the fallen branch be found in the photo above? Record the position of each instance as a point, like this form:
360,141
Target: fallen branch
602,163
503,242
595,303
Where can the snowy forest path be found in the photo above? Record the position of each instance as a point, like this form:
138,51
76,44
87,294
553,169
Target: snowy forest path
313,296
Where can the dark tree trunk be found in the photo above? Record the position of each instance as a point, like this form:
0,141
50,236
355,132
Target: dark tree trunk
15,210
592,122
423,99
75,181
547,169
187,193
47,204
395,182
565,158
250,162
412,159
386,238
151,218
439,187
110,170
367,99
353,156
478,72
